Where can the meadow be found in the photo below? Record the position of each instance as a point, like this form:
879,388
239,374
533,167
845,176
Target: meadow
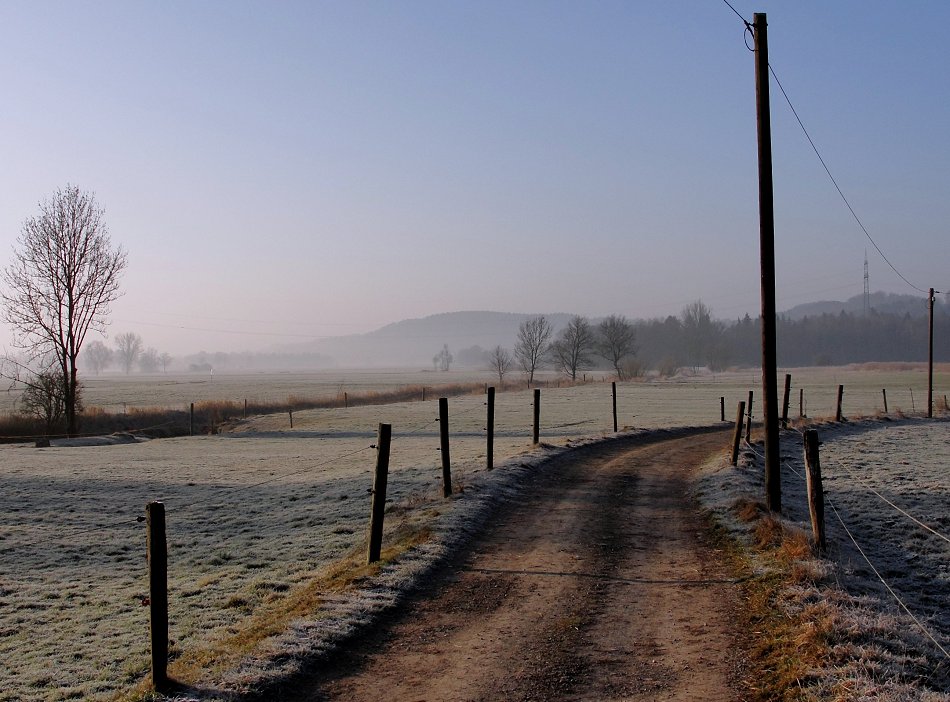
261,510
905,384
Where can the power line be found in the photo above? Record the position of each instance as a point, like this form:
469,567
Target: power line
837,187
749,28
744,21
227,331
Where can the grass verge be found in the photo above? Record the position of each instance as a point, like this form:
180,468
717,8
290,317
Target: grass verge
782,650
190,667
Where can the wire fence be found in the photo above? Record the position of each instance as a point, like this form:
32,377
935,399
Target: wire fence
252,514
906,547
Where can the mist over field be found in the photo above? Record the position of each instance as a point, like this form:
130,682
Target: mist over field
820,333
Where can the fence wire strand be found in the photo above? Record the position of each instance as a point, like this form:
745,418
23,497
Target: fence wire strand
867,560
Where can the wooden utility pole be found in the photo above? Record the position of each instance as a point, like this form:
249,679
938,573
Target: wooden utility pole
930,359
773,475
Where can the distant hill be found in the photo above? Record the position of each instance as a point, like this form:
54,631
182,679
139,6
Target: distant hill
881,302
413,342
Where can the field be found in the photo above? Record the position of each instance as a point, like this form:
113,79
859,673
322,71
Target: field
888,527
880,596
905,383
258,511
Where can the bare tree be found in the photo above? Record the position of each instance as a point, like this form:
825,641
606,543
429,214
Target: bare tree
148,360
571,350
165,358
44,397
97,356
500,362
617,342
444,358
703,335
532,344
65,274
128,349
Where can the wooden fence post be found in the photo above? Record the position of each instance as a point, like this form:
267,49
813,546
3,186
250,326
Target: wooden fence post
884,392
816,495
801,402
380,478
748,426
423,393
291,413
245,408
156,548
788,389
613,391
536,434
737,436
191,423
490,431
346,401
722,409
838,415
444,440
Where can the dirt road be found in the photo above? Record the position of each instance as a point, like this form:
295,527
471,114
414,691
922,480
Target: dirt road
598,586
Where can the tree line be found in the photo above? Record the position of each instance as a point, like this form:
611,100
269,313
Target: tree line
580,345
129,353
694,338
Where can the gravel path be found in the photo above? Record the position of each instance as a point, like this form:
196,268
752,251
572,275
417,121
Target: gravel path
599,586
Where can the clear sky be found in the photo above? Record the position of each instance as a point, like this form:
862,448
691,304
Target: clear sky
287,170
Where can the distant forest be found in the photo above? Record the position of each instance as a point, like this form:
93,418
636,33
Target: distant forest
825,339
818,333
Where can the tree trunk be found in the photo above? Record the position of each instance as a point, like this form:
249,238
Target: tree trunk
70,400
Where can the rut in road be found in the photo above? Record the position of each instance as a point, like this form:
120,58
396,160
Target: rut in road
597,586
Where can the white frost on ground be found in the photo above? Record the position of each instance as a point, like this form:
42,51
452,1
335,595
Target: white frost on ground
259,511
870,469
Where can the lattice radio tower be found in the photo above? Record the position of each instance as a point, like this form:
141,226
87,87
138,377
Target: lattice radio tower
867,286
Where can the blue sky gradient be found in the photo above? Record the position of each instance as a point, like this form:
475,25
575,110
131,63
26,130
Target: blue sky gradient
281,171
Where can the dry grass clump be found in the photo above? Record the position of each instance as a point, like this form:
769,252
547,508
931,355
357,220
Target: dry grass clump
17,427
748,510
810,639
210,415
785,650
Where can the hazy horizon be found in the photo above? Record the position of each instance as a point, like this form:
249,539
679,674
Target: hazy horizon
280,173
